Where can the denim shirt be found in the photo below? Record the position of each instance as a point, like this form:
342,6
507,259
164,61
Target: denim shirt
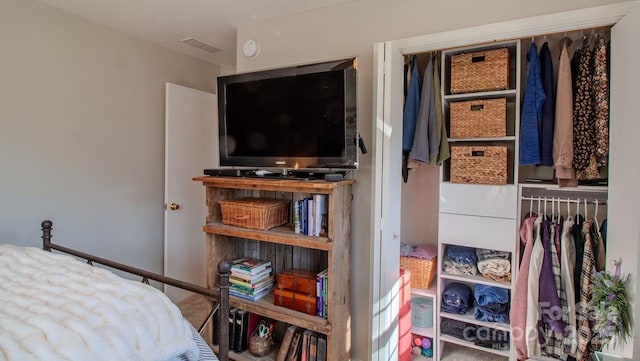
411,108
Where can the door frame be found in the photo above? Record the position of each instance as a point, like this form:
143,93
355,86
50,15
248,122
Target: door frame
387,99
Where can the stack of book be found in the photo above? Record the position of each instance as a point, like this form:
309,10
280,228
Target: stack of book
250,278
310,215
299,344
322,290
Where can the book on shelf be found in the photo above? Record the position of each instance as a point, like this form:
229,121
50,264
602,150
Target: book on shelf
322,288
321,349
286,343
311,220
313,347
296,217
250,286
304,353
296,345
320,209
232,327
249,265
242,323
248,277
254,296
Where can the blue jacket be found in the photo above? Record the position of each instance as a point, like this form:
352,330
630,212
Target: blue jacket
530,121
548,107
411,107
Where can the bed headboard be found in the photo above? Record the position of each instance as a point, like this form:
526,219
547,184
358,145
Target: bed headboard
219,295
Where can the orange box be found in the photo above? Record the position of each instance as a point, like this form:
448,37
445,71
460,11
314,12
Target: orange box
294,300
298,280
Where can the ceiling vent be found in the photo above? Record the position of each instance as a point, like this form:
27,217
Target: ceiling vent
200,45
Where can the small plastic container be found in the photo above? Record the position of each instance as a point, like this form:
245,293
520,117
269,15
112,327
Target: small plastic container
422,312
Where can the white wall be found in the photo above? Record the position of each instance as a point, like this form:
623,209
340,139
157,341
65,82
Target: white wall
352,29
82,132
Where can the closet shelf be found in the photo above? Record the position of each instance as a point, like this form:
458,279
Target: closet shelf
451,339
422,331
431,292
468,318
475,279
495,139
509,94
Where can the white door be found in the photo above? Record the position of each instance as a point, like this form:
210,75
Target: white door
191,145
386,211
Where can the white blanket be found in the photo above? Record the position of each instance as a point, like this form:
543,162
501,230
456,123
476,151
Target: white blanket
54,307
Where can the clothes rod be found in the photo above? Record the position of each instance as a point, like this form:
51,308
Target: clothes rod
564,200
565,193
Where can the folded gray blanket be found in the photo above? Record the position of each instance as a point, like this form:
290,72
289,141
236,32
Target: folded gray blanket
456,268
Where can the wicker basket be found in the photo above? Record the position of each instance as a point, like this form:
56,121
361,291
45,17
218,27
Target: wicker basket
480,71
479,164
423,271
255,213
479,118
260,345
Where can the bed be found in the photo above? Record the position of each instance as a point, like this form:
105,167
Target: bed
53,306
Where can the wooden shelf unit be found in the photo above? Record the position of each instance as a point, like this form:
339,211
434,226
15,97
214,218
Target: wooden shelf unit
287,249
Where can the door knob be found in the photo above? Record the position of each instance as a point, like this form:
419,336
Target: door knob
174,206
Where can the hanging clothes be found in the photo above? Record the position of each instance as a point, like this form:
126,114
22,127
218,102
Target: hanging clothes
531,111
563,126
410,116
548,107
548,297
425,142
567,261
443,143
586,281
535,265
601,100
583,126
518,312
554,345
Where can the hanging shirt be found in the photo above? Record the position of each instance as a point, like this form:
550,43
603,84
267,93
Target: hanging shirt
563,126
425,142
601,100
531,111
411,107
586,281
535,265
548,299
567,261
583,126
518,312
443,143
548,107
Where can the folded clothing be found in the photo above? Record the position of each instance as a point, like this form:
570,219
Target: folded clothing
484,254
461,254
492,303
481,314
497,267
485,294
455,268
458,329
492,338
424,251
457,298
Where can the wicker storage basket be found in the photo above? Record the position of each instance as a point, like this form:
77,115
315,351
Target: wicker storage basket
423,271
479,118
479,164
255,213
480,71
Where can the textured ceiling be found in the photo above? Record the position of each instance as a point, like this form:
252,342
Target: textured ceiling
167,22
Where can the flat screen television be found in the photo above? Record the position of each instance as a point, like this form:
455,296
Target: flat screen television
296,118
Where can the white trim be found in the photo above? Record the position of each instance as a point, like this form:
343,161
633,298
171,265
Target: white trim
516,29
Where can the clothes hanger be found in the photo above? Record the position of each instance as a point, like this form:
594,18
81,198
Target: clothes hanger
545,207
530,207
595,218
553,209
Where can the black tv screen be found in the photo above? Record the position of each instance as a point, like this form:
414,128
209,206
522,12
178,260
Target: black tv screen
301,117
